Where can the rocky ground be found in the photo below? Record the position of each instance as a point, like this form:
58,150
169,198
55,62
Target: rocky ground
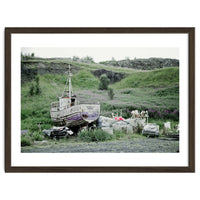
133,145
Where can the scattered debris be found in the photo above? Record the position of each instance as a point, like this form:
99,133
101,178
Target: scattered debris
135,124
143,114
171,132
57,132
105,121
120,124
108,130
177,128
167,125
129,129
151,130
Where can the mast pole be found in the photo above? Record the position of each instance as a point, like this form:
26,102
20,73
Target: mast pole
70,86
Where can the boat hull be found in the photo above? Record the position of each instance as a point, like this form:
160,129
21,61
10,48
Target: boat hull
79,115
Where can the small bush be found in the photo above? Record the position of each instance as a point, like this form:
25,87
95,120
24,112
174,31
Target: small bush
33,127
35,89
111,93
94,136
25,141
104,81
31,90
37,136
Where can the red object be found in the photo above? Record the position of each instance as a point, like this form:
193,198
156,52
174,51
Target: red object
118,118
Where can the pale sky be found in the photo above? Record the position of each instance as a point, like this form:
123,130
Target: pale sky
104,53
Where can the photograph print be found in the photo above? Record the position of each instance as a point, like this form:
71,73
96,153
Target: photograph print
100,100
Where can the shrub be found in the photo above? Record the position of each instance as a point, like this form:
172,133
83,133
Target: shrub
33,126
104,81
37,87
94,136
111,93
31,90
37,136
25,141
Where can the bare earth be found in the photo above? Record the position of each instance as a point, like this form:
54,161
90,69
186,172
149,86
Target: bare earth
133,145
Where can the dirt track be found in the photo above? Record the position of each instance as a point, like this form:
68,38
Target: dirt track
134,145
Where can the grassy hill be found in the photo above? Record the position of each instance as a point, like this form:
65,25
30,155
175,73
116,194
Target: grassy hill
81,80
156,78
80,65
156,91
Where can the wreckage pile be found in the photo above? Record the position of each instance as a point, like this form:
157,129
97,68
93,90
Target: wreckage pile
138,123
135,124
122,125
151,130
58,132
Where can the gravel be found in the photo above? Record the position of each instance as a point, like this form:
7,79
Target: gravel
133,145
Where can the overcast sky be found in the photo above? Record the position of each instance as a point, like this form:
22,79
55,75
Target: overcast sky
102,54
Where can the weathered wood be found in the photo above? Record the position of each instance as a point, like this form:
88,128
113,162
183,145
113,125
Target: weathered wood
67,111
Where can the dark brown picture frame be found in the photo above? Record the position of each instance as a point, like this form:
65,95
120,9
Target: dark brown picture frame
191,98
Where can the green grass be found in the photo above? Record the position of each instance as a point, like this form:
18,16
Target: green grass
82,80
29,138
167,91
155,79
82,66
85,80
25,141
139,90
137,99
97,135
36,108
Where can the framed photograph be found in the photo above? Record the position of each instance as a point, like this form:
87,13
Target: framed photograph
100,99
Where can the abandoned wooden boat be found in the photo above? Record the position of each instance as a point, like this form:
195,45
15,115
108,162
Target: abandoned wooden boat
68,112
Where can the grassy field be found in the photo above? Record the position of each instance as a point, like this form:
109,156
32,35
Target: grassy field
127,144
156,91
165,77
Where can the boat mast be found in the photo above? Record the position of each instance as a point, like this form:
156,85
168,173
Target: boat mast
70,85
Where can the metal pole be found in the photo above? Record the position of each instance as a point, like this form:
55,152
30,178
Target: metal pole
70,85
